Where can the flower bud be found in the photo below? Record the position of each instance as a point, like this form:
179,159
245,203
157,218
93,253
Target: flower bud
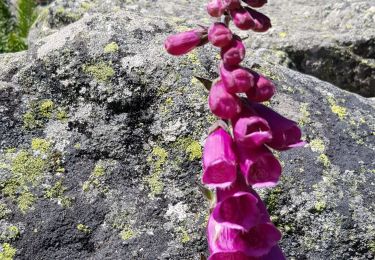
231,4
256,242
259,167
238,211
274,254
236,79
263,89
242,19
251,131
219,35
215,8
219,160
222,103
182,43
255,3
234,52
262,22
285,133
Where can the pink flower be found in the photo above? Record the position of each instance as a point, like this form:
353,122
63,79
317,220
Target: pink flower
231,4
255,3
222,103
262,22
219,160
219,35
274,254
263,89
259,167
256,242
242,19
236,79
285,133
251,131
238,211
215,8
182,43
233,53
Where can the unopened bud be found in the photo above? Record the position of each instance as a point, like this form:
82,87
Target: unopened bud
182,43
219,35
233,53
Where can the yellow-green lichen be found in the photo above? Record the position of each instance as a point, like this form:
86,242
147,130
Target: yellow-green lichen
29,121
40,145
273,199
317,145
4,211
46,108
83,228
56,191
320,206
10,233
25,201
95,179
7,252
371,246
127,233
111,47
305,114
62,115
190,146
157,159
335,108
184,235
102,71
322,158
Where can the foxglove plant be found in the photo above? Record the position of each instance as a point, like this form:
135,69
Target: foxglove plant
238,159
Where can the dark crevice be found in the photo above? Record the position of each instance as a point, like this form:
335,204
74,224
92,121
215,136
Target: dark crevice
350,67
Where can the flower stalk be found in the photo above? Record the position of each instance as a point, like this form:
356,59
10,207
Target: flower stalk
239,226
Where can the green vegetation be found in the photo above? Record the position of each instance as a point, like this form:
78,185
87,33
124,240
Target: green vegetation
14,28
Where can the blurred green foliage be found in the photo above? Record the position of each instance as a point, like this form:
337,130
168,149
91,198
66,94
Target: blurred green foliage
14,28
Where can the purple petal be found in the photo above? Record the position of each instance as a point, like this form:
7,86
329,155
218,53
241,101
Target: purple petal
263,89
219,160
285,133
233,53
239,211
219,35
222,103
259,166
242,19
236,79
184,42
262,22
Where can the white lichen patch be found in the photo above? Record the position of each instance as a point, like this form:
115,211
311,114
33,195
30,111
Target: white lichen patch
177,212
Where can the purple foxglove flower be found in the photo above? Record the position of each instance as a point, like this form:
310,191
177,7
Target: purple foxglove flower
256,242
242,19
231,4
215,8
251,131
262,22
182,43
222,103
219,35
239,211
259,167
285,133
263,89
255,3
236,79
233,53
274,254
219,160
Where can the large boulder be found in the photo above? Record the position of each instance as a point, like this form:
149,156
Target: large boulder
101,134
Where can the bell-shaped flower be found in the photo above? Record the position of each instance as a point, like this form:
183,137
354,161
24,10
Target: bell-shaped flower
219,160
215,8
259,166
263,89
231,4
222,103
182,43
251,131
236,79
285,133
219,35
262,22
256,242
239,211
255,3
234,52
274,254
242,19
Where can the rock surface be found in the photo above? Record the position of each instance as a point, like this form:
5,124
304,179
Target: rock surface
100,147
